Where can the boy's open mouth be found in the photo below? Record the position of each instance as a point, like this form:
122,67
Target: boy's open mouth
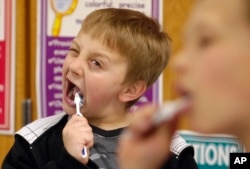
72,89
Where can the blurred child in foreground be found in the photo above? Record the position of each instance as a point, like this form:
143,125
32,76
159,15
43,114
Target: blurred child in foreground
213,70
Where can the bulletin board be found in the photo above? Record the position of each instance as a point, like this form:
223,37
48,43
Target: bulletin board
58,23
7,63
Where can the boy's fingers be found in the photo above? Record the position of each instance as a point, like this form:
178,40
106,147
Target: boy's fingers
143,124
142,119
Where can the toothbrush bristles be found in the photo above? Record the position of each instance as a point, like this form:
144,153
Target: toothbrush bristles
79,102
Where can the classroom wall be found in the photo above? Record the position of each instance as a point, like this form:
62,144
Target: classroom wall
175,13
25,66
174,18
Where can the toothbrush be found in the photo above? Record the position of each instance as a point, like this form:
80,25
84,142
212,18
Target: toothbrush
169,110
79,102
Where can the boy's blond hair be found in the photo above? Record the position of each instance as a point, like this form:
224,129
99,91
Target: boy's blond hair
135,36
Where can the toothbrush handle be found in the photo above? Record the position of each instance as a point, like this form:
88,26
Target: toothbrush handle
78,110
84,150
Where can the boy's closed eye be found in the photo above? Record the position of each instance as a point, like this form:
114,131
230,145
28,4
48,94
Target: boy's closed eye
73,52
71,49
74,48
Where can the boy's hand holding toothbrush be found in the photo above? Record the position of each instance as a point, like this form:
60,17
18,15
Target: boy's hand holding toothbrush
78,135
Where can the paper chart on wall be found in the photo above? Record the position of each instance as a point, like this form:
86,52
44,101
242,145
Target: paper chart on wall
7,62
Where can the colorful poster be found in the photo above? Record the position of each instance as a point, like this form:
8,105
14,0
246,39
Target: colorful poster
7,62
60,21
212,151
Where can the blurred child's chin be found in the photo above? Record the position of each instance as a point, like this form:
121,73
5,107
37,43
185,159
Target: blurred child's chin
199,125
204,128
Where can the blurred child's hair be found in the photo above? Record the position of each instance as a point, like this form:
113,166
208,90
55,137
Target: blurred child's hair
135,36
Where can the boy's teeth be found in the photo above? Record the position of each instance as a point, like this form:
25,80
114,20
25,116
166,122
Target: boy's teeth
73,91
70,93
76,90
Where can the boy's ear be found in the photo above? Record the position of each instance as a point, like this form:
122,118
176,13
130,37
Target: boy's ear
133,91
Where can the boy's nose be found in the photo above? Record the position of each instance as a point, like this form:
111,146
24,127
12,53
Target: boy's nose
76,67
180,63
